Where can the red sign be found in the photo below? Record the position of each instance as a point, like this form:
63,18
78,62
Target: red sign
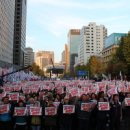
22,97
56,104
26,91
74,92
68,109
20,111
14,96
35,111
85,107
127,101
4,108
103,106
50,111
17,88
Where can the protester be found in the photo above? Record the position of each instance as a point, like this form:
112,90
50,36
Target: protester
65,119
82,114
103,117
126,114
116,113
65,105
35,120
5,116
20,121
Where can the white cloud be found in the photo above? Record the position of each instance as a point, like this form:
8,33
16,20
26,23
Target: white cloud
60,24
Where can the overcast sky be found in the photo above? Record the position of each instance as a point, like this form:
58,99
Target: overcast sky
48,21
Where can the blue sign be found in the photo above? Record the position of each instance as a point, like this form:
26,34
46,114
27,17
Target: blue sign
82,73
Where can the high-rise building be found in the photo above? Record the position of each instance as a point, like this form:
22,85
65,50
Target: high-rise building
19,32
44,58
28,56
7,8
73,42
92,40
65,58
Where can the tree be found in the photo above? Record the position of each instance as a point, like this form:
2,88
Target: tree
95,66
121,60
36,70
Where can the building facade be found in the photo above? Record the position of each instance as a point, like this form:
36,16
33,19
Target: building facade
44,58
73,43
7,8
28,56
65,58
114,38
108,52
19,32
111,45
92,41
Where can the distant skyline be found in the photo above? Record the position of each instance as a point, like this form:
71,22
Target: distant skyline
48,21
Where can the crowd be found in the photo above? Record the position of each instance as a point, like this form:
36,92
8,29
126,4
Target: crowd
65,105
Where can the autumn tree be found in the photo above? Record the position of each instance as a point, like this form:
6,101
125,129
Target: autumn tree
95,66
36,70
121,60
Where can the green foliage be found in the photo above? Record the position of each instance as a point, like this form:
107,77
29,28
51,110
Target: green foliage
121,60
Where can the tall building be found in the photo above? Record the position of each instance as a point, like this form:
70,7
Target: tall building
111,45
19,32
7,8
65,58
44,58
73,42
92,40
28,56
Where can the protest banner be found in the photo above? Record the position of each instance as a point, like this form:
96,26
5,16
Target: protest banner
22,97
103,106
112,91
68,109
26,91
17,88
56,104
85,107
4,108
20,111
50,111
35,111
73,92
13,96
8,89
127,101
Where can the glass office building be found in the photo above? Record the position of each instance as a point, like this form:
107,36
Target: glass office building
73,42
114,38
